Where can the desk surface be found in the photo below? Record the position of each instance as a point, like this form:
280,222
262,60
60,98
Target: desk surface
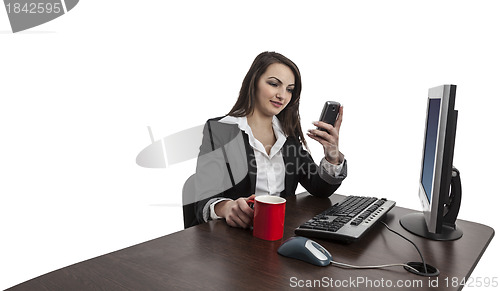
217,257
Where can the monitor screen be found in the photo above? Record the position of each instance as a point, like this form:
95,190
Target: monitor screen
430,144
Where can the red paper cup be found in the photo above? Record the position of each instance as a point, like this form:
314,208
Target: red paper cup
269,217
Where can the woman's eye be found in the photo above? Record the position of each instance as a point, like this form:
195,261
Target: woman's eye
273,84
290,90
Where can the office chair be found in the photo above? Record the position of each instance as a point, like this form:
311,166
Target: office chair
187,204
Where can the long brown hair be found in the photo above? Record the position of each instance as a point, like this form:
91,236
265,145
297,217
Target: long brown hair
289,116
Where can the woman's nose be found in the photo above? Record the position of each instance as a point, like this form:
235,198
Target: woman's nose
280,94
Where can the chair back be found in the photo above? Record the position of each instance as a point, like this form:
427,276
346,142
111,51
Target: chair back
188,209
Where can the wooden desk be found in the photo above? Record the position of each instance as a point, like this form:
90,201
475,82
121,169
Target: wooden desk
214,256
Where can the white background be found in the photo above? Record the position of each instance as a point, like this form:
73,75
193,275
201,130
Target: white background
77,95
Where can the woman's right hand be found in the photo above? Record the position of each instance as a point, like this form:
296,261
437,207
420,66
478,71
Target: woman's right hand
236,212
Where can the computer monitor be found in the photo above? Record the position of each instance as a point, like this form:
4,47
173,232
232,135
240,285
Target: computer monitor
439,189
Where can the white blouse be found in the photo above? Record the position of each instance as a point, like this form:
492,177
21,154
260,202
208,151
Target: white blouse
270,168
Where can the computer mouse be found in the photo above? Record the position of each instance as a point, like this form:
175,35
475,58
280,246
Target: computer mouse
305,249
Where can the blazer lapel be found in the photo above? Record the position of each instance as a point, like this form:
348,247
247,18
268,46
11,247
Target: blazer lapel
252,165
289,160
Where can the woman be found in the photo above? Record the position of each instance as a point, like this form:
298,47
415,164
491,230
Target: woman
266,115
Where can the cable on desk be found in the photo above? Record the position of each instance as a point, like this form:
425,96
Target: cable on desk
425,270
338,264
418,250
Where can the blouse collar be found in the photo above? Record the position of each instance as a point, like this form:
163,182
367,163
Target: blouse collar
257,145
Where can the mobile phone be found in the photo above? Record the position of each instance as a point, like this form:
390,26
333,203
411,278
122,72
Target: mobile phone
330,113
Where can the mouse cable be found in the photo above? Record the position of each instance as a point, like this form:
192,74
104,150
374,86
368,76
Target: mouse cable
418,250
338,264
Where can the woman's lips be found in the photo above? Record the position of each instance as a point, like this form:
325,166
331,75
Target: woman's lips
276,104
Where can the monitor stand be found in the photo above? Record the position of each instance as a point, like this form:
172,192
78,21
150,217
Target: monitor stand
415,222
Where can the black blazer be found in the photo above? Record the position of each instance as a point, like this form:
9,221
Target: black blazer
299,166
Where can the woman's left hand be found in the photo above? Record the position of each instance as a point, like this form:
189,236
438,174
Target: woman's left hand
329,139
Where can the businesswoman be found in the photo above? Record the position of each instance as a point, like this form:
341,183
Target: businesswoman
272,156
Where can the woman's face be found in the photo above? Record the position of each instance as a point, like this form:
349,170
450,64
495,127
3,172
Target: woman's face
274,89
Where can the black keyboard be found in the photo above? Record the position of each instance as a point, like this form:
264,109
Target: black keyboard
347,220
